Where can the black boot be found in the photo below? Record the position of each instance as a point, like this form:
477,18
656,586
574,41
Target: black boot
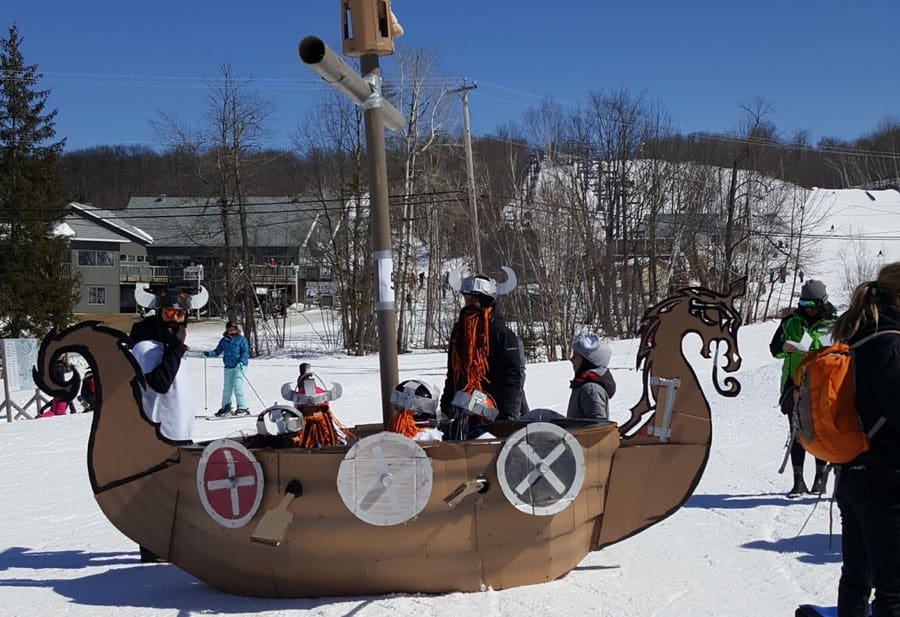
799,487
820,482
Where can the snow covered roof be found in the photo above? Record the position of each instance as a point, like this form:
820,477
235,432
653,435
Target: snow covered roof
63,231
90,223
195,221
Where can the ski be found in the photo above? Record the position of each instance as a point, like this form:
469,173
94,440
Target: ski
231,416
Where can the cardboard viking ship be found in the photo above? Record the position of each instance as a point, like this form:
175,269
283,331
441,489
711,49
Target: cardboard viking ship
388,514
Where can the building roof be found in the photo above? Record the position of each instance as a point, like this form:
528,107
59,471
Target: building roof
88,223
196,221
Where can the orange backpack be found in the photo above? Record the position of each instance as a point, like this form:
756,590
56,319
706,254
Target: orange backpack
825,417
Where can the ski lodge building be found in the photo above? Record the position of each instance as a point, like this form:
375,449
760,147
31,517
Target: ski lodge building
166,239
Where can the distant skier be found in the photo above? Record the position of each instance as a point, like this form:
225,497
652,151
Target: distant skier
58,406
798,333
235,354
88,395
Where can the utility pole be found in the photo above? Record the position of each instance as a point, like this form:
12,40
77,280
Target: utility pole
470,169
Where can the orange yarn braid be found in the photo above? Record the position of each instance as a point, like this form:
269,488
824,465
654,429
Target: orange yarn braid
405,424
469,357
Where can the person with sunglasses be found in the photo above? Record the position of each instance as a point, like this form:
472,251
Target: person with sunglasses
158,345
235,352
805,329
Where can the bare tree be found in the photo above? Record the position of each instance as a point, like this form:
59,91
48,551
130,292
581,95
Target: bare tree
231,130
423,103
332,140
857,262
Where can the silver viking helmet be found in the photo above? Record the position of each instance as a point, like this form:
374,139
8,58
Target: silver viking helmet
312,390
172,295
418,395
481,285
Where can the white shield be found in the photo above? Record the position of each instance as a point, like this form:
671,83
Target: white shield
385,479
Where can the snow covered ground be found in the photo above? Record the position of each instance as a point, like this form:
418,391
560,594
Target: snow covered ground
737,547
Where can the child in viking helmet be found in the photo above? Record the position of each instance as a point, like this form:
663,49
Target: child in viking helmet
416,403
486,358
311,398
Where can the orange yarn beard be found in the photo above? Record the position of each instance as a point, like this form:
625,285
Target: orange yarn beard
469,356
404,424
320,429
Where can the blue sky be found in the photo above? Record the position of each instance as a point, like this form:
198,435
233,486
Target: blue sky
828,67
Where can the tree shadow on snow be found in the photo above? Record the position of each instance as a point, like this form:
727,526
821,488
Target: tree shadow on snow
149,586
812,548
745,502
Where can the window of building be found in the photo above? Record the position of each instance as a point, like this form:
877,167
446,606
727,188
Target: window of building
98,259
96,295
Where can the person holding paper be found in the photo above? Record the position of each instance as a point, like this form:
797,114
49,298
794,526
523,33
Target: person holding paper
805,329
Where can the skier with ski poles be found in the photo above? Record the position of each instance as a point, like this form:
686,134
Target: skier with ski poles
235,352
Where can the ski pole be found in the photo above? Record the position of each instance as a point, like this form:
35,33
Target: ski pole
788,446
205,389
244,373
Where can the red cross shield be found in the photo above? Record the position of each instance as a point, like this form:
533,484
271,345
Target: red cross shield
229,482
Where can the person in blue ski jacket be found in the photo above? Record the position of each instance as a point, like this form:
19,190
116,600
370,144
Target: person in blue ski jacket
235,354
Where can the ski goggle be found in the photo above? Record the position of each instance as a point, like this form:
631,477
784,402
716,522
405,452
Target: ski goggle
174,315
815,303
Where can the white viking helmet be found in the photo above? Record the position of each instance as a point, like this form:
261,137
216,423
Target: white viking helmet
307,394
173,296
279,420
419,396
482,285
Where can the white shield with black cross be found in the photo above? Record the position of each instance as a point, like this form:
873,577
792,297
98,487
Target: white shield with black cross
541,469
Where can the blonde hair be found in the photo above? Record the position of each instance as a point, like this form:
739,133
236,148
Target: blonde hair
885,289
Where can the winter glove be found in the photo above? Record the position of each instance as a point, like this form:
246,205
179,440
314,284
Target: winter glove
207,354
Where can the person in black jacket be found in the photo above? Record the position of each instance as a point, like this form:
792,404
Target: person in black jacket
868,487
484,354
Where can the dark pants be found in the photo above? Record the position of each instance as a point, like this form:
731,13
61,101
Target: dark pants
869,500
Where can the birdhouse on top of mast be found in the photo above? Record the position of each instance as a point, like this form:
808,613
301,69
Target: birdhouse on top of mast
368,27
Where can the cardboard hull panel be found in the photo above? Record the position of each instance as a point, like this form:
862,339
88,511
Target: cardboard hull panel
483,542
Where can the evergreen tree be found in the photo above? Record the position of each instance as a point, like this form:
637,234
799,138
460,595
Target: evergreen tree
35,293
